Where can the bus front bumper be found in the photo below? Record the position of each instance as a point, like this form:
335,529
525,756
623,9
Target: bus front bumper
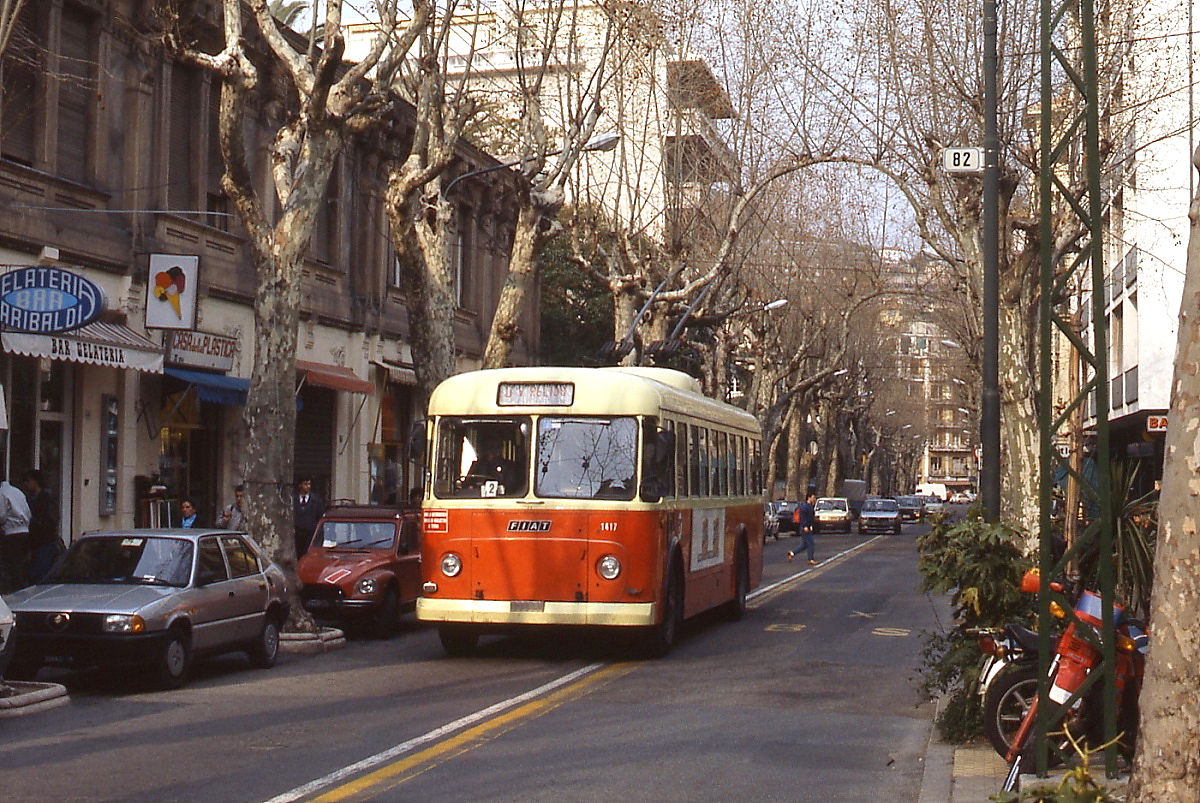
518,612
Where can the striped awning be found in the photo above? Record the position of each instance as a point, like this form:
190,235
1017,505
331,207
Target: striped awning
98,343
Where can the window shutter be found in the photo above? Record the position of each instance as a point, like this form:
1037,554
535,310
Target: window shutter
77,88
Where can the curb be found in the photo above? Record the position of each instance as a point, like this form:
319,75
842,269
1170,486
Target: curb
937,780
326,639
31,698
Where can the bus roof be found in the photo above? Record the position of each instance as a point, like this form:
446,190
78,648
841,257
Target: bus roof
615,390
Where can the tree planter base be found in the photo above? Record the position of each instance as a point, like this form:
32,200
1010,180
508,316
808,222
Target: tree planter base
326,639
18,698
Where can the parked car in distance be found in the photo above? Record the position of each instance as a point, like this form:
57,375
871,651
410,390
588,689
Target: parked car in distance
960,498
879,515
154,598
363,566
833,513
6,635
912,508
785,511
770,522
933,505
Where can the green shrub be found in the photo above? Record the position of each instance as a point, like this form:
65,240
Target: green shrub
980,565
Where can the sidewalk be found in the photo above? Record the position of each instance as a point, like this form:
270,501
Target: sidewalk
973,773
963,774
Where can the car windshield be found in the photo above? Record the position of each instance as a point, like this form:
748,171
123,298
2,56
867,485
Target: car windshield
126,559
908,501
355,534
830,504
581,458
877,505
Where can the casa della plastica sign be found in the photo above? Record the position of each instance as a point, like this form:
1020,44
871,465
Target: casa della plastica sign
42,300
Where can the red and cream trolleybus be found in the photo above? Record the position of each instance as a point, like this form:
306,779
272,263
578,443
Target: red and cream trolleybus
586,496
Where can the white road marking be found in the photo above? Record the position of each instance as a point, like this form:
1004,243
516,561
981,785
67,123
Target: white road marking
432,736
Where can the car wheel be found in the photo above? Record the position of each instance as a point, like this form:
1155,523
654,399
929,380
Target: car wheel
173,661
387,617
896,529
265,650
458,640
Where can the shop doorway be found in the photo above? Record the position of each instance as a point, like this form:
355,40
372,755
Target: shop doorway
38,393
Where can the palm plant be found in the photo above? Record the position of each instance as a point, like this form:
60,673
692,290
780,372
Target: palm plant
1135,528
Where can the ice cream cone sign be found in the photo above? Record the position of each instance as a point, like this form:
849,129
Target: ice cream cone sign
172,291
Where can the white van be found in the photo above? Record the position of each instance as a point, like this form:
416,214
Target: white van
937,489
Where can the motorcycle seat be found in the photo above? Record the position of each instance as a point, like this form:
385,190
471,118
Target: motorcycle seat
1025,638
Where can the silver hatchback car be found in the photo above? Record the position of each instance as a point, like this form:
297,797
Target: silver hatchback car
155,598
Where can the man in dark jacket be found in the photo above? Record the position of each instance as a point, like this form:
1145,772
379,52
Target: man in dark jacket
45,540
806,518
308,511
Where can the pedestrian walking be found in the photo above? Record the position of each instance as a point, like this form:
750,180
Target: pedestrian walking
308,511
44,536
231,516
15,543
806,517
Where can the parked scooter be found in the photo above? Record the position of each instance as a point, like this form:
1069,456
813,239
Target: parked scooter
1075,657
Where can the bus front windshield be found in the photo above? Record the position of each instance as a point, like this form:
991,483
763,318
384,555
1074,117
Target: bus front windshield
482,457
583,458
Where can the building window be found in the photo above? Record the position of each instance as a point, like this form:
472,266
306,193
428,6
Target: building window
182,154
77,84
22,64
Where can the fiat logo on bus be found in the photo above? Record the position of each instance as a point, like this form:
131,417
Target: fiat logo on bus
529,526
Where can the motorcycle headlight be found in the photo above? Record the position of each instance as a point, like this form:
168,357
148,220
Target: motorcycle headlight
609,567
451,564
366,586
124,623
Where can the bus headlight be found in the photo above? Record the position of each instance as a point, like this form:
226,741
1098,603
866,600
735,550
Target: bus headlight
451,564
609,567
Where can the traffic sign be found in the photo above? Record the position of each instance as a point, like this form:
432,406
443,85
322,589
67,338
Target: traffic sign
962,160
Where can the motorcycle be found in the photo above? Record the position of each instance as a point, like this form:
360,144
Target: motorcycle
1075,656
1008,680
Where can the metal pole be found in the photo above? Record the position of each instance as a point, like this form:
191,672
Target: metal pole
990,412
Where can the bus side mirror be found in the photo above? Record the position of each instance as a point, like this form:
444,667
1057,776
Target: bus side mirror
416,441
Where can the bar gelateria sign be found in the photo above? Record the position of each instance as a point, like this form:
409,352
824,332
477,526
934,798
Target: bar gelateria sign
42,300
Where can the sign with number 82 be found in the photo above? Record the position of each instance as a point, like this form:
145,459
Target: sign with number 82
962,160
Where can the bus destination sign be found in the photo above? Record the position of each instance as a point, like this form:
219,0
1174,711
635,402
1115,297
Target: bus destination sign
43,300
539,394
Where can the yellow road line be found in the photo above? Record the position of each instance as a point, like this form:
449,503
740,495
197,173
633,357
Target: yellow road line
399,772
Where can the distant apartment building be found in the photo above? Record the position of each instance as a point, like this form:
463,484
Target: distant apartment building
664,105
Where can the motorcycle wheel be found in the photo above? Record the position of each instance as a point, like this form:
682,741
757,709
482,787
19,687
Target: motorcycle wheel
1004,706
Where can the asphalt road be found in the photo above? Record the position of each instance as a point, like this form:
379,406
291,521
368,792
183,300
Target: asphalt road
814,696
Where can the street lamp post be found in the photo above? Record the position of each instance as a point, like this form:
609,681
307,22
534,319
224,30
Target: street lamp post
604,142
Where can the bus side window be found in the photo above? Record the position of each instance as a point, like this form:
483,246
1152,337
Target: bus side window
681,461
658,469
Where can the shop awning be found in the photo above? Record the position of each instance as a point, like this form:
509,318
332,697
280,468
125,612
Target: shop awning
214,388
397,372
98,343
332,376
